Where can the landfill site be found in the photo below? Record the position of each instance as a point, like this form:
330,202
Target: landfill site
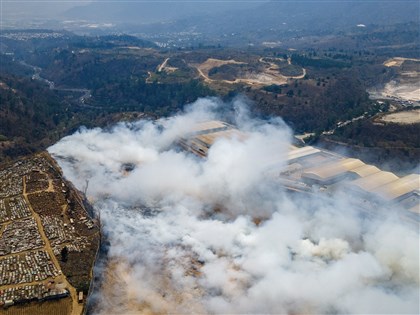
49,242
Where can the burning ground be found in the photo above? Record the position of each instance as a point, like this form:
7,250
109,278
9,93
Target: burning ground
217,235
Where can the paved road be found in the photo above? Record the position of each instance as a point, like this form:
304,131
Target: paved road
86,93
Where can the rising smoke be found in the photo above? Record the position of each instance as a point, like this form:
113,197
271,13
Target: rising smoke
186,237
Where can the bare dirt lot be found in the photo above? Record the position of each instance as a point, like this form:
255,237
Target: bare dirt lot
406,86
164,67
404,118
266,77
405,91
398,61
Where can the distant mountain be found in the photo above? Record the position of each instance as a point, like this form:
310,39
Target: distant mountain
239,14
309,15
35,9
240,22
142,12
319,14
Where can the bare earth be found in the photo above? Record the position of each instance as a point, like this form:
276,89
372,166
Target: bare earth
407,91
124,295
404,118
407,85
398,61
164,67
267,77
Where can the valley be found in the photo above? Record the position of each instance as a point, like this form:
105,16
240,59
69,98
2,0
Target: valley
212,158
312,90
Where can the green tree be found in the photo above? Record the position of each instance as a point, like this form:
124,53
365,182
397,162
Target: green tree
64,254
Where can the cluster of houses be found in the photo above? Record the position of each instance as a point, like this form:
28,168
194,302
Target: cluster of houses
27,271
19,236
27,293
27,267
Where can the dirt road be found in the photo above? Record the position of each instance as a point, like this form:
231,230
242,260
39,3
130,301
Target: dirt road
163,65
77,308
269,76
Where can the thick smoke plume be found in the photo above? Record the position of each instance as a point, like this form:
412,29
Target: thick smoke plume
219,235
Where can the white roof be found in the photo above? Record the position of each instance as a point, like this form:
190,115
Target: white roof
210,138
331,170
365,170
415,209
369,183
301,152
399,188
206,125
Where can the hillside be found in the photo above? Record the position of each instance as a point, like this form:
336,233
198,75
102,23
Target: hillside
53,83
48,242
30,116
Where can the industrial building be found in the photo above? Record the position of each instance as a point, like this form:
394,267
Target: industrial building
372,182
204,134
364,170
309,168
332,172
399,189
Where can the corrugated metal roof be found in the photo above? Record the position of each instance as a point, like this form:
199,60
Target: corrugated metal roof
365,170
369,183
206,125
301,152
399,188
415,209
210,138
332,170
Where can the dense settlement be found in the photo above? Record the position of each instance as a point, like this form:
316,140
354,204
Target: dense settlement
43,226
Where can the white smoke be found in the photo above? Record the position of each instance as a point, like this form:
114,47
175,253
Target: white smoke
184,235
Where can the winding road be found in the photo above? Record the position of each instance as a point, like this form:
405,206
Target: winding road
86,94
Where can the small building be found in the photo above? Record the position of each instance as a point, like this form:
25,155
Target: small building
80,297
